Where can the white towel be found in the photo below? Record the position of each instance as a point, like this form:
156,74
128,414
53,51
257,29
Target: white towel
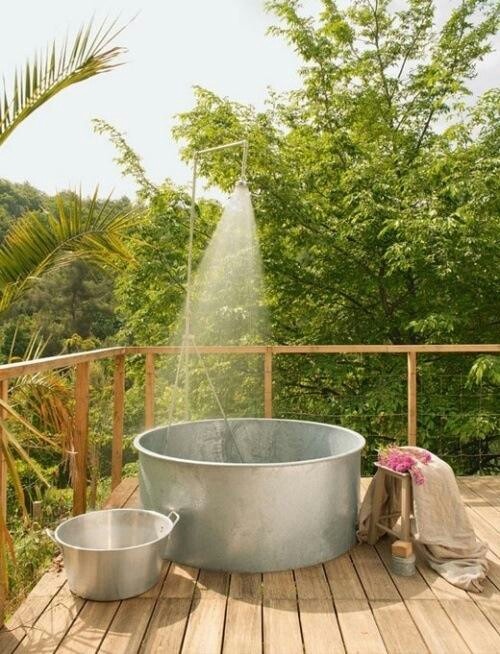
441,529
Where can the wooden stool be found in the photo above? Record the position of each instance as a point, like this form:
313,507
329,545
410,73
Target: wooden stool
402,547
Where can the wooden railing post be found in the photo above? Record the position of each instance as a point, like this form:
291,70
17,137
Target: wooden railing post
149,399
81,437
118,414
4,394
268,382
411,358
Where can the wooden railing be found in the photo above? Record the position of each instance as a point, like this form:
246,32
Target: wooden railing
81,363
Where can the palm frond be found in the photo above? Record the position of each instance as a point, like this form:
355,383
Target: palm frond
45,75
7,408
13,442
48,398
14,476
37,243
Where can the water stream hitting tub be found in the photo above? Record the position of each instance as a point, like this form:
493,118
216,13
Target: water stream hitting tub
291,503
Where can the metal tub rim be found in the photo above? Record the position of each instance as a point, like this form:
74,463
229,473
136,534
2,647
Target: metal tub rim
82,517
198,462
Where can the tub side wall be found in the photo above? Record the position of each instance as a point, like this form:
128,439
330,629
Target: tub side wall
255,518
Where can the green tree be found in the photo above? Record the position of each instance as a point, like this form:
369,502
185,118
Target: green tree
376,192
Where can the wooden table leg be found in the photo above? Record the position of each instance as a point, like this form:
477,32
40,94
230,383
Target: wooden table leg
379,481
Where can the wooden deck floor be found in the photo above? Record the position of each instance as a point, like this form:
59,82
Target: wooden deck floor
351,604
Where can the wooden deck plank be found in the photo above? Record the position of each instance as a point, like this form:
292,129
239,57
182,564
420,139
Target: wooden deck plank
436,628
479,505
375,579
397,627
30,610
489,603
494,569
441,588
212,584
279,585
470,622
343,580
281,627
246,585
180,582
51,627
122,493
484,530
89,628
395,623
165,632
170,616
205,626
486,487
134,501
320,627
127,629
491,609
359,629
311,583
243,628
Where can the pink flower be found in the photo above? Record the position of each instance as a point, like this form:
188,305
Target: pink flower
405,459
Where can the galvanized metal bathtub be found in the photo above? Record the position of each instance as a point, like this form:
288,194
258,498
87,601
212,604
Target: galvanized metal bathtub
292,502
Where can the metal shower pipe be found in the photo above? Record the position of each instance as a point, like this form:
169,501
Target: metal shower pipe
188,339
192,215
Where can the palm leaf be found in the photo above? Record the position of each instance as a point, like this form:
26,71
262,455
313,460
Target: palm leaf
14,476
47,74
46,395
13,442
14,414
38,243
48,398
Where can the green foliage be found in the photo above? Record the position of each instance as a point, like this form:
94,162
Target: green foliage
77,299
150,291
486,370
376,192
127,159
92,232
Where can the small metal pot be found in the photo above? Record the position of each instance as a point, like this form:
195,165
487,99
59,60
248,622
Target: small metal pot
113,554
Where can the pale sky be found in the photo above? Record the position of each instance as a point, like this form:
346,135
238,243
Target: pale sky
172,45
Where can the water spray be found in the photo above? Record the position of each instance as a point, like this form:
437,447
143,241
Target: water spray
188,341
192,215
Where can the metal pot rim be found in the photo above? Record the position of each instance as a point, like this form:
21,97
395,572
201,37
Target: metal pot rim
114,549
162,457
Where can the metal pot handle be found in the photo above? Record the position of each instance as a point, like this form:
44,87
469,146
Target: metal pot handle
175,519
52,536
